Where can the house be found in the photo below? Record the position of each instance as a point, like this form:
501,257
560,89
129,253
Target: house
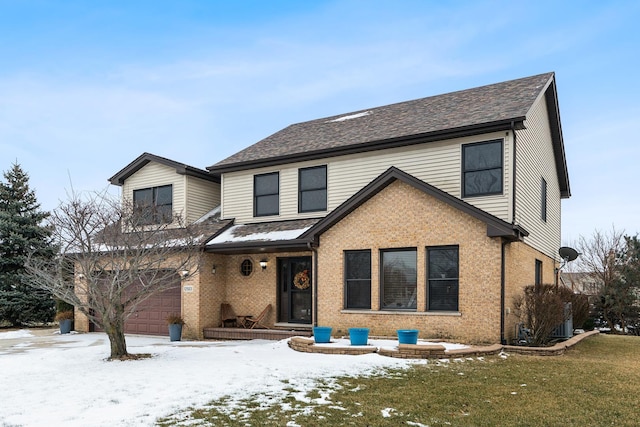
430,214
580,282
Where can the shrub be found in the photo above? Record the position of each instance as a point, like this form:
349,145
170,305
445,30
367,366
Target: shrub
64,315
541,308
175,319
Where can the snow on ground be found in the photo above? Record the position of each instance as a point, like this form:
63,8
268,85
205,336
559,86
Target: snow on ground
64,379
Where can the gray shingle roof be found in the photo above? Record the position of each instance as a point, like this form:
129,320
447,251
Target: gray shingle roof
145,158
472,108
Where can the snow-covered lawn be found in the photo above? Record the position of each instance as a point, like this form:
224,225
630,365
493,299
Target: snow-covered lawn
64,379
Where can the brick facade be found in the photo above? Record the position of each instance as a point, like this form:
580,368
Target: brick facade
400,216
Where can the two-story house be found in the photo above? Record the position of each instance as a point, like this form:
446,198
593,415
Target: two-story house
429,214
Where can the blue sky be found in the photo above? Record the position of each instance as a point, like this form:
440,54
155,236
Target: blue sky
87,86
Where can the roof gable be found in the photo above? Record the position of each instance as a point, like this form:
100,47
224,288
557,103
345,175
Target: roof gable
145,158
495,226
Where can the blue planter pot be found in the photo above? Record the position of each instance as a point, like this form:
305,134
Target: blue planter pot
322,334
65,326
407,336
175,332
359,336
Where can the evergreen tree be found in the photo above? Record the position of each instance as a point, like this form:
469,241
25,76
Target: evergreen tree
21,233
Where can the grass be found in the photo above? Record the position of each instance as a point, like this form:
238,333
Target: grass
594,384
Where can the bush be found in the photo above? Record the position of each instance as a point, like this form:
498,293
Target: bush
541,308
64,315
175,319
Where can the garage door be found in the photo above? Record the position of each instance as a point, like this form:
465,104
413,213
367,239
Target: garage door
150,318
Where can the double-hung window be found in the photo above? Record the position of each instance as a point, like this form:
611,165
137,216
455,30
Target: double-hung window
398,279
357,279
266,194
154,205
442,273
312,184
482,168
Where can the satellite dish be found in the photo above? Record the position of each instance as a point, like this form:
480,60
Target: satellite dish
568,254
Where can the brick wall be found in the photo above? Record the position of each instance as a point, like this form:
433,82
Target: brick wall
520,272
248,295
401,216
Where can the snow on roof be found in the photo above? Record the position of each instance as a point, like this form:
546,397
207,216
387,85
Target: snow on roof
350,116
234,234
212,213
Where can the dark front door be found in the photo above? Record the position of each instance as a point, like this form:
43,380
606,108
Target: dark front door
294,282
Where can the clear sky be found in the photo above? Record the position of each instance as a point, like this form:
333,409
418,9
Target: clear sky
87,86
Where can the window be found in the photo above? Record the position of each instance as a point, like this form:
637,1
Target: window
246,267
357,279
543,195
398,279
312,193
538,277
266,194
154,205
442,271
482,168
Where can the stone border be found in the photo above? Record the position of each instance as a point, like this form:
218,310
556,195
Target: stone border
418,351
308,345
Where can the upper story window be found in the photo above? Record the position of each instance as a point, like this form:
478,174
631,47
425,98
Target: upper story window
398,279
543,200
266,194
312,185
155,204
482,168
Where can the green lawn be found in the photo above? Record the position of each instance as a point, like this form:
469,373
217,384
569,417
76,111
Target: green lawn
596,383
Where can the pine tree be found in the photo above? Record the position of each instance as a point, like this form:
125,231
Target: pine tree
21,233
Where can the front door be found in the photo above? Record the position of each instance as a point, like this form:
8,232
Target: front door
294,283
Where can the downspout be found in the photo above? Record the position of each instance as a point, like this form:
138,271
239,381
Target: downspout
315,282
513,185
502,290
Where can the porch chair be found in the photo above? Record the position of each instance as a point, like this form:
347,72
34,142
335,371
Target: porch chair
228,316
251,321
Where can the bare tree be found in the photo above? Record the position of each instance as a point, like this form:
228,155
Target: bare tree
600,258
113,257
598,254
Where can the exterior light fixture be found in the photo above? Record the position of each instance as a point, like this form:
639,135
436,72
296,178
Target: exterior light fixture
263,264
213,269
184,273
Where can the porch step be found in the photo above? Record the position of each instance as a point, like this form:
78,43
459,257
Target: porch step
253,334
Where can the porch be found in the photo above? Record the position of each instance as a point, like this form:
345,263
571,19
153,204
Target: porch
278,332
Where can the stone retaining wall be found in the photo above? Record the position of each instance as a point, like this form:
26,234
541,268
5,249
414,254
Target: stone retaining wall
424,351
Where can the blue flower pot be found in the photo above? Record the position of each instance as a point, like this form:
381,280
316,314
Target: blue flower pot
359,336
65,326
322,334
407,336
175,332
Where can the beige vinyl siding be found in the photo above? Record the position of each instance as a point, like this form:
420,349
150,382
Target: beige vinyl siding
201,197
438,163
535,160
155,175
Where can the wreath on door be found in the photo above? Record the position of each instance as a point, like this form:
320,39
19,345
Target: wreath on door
301,280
